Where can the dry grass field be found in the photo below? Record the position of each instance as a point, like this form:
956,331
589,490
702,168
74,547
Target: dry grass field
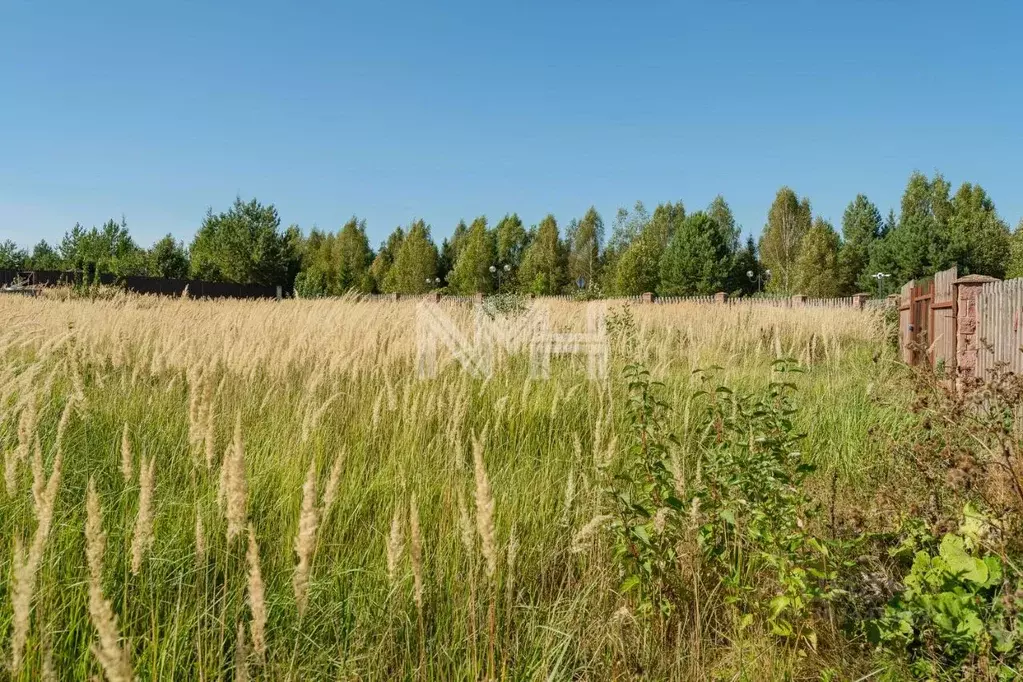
267,490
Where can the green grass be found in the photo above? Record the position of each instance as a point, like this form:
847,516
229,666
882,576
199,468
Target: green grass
565,619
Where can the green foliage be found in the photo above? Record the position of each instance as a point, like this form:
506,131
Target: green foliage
960,609
817,267
585,239
861,228
168,259
109,249
1014,267
746,513
978,237
333,265
385,259
698,259
788,220
477,251
243,244
44,257
415,266
12,257
544,263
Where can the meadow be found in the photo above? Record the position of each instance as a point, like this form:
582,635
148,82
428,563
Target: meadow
268,490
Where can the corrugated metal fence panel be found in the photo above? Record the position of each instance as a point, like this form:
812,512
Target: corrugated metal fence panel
944,328
999,314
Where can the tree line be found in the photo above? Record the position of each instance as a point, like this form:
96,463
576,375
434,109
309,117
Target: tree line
671,251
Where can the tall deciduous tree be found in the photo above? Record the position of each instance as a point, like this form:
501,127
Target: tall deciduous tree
168,258
1014,268
861,227
978,237
512,240
415,263
787,222
816,272
11,256
245,245
385,258
477,251
585,241
544,263
919,244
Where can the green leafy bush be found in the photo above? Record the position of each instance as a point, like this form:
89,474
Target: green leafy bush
960,611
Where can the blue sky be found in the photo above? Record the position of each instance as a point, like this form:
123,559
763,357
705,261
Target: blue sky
398,110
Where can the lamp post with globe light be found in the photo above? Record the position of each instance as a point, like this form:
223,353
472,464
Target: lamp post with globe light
760,277
500,271
881,277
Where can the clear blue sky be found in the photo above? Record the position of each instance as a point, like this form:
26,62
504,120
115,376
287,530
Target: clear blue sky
395,110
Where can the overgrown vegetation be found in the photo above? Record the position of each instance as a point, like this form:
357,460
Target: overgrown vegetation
214,490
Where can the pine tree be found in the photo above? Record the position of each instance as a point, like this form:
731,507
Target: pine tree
861,227
544,262
477,251
919,244
697,260
245,245
817,272
787,222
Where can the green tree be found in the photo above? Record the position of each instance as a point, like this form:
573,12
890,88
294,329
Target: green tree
353,257
106,250
415,263
168,259
1014,268
11,256
638,268
245,245
978,237
788,221
45,257
624,233
543,269
477,251
861,227
585,240
385,258
721,213
697,260
919,244
449,250
816,272
748,272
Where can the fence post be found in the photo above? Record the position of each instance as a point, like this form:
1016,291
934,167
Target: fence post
967,332
648,297
279,293
395,297
859,301
477,299
721,297
798,300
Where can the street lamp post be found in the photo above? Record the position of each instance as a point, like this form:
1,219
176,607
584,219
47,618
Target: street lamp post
500,271
760,277
880,277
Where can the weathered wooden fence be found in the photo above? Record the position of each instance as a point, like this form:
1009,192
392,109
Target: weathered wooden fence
968,325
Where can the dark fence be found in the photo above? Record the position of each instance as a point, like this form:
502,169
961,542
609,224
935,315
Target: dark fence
142,285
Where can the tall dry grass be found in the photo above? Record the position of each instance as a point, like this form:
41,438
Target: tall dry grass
433,528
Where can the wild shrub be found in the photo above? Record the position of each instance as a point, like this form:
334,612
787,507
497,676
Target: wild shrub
739,527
